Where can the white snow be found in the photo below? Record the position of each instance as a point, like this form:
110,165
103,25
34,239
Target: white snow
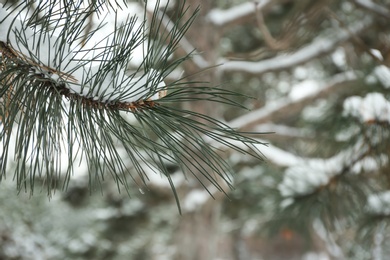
377,54
158,180
280,157
382,73
284,130
304,89
379,203
116,86
372,107
151,4
370,164
339,58
221,17
195,199
320,46
265,113
303,179
307,175
315,256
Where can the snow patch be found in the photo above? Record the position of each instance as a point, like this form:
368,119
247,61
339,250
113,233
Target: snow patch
373,107
116,86
379,204
307,176
382,73
370,164
339,58
196,198
304,89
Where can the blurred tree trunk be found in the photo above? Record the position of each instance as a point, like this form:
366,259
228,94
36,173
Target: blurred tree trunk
196,236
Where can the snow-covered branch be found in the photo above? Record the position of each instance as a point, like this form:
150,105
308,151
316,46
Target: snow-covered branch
287,107
237,13
283,131
69,66
320,46
373,108
305,178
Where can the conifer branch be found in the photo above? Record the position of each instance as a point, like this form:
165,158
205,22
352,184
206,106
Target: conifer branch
63,103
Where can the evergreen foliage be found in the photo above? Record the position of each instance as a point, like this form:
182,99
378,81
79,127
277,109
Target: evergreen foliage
66,103
319,72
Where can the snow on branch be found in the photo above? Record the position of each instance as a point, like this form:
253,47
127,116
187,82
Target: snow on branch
67,66
61,99
280,131
286,107
372,108
320,46
309,176
237,13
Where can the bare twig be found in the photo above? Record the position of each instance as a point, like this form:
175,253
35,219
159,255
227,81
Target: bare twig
268,38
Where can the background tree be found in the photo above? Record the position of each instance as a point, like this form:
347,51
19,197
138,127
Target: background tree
319,72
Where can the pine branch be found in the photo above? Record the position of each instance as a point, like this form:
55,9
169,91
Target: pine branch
62,103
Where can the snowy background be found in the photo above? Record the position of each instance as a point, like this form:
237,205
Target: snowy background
320,80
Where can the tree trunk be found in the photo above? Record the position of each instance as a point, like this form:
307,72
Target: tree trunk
197,232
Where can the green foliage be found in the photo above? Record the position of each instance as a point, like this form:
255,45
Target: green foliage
56,128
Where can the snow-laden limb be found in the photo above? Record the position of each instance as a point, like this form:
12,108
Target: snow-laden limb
309,176
320,46
281,157
374,107
306,178
284,131
286,107
60,61
197,199
239,12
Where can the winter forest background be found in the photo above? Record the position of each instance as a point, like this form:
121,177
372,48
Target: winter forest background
316,80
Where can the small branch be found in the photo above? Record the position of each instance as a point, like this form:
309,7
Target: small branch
312,175
268,38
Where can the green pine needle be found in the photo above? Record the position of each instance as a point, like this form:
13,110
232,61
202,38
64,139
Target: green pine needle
49,122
